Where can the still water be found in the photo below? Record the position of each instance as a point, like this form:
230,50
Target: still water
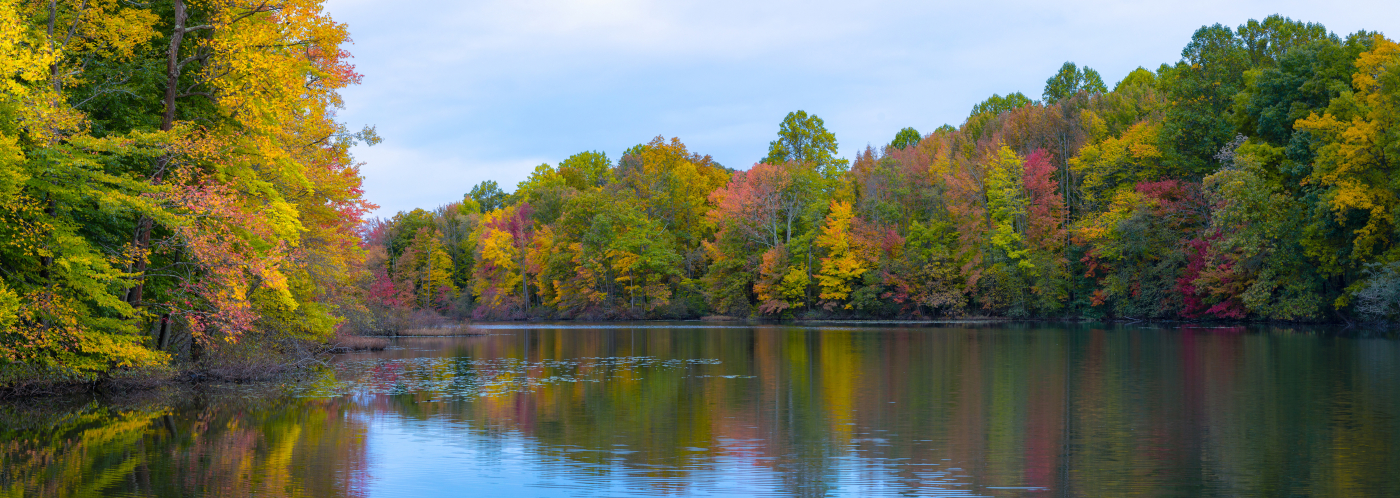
692,409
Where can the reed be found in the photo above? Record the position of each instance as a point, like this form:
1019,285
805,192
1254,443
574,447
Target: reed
359,343
440,330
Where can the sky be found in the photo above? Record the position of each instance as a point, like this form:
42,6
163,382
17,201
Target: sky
467,91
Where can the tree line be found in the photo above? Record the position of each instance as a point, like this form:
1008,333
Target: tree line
173,181
1253,179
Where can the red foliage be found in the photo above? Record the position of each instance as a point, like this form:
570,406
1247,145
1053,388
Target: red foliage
382,290
1046,207
213,297
374,232
1179,203
749,207
518,224
1197,301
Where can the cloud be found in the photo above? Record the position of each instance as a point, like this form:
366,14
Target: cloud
400,178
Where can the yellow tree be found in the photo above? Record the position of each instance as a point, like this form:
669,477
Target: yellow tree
1358,163
499,280
540,255
780,285
673,186
1118,163
273,72
846,261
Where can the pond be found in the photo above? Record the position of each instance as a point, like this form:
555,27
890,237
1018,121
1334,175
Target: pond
696,409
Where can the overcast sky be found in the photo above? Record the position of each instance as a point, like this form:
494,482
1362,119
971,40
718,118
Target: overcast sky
466,91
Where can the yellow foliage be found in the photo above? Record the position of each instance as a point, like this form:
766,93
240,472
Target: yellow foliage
9,306
780,286
1101,231
1354,164
1115,162
22,56
499,271
845,262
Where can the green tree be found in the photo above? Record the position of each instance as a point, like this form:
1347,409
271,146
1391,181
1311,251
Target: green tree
489,196
906,137
403,228
585,170
1071,80
1137,78
1304,80
996,104
1268,41
546,190
804,138
1255,254
1200,90
426,268
1357,165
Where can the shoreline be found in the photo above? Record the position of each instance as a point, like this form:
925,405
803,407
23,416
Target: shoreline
131,382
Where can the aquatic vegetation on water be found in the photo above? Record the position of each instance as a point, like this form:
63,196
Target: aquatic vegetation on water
479,377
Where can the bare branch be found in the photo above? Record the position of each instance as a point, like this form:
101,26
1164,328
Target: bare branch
82,8
202,55
260,8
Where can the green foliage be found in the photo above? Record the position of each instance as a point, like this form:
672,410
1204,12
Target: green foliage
1269,41
1256,253
805,139
405,227
488,196
1070,80
1138,78
586,170
1253,179
996,104
546,189
1200,90
906,137
1302,81
138,204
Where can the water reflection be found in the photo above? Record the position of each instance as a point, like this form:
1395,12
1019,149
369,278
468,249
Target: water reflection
153,447
640,411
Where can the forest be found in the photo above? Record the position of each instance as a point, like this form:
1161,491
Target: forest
174,183
1254,179
172,179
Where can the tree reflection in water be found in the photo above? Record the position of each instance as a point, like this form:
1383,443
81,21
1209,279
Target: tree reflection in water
566,410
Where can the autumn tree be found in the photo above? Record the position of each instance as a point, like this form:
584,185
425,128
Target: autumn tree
1353,167
586,170
500,282
845,261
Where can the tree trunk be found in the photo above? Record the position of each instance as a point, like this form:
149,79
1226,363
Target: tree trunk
807,299
428,280
163,332
172,66
525,289
142,238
